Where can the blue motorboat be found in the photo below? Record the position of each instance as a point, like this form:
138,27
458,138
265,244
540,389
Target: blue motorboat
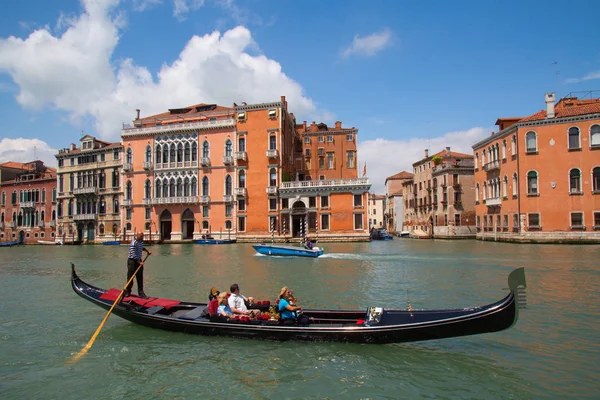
283,250
112,243
381,234
214,241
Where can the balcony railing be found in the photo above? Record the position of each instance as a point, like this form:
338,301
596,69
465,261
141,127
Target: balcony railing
271,189
85,190
240,192
241,155
227,160
146,201
492,165
127,202
227,198
127,167
492,201
204,199
172,200
52,224
324,183
85,217
272,153
205,161
147,165
186,126
27,204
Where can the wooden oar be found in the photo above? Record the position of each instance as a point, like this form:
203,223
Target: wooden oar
93,339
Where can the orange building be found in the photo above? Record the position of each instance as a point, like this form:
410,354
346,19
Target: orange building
240,173
538,178
27,202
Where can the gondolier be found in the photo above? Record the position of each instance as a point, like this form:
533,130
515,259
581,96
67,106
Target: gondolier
134,260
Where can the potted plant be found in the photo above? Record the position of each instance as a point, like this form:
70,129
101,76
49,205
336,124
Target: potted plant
437,160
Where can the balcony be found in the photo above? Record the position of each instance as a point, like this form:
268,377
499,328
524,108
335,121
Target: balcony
205,161
204,199
240,192
130,131
146,201
228,160
127,202
171,200
85,190
41,224
227,198
84,217
492,201
456,186
241,156
12,224
52,224
147,165
271,189
491,166
272,153
127,167
27,204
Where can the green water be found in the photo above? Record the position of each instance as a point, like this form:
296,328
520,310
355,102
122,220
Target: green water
552,352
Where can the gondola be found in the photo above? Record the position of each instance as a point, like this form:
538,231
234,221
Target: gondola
56,242
10,244
287,251
375,325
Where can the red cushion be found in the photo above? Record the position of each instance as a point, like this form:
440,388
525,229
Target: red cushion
113,293
213,306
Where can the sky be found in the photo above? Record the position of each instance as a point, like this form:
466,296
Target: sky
408,75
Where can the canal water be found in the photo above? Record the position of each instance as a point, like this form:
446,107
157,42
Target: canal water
552,352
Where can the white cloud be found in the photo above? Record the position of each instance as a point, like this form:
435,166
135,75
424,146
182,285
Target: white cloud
385,158
182,7
25,150
143,5
368,45
588,77
75,73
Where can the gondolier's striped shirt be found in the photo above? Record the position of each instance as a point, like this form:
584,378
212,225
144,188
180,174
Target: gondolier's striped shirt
135,250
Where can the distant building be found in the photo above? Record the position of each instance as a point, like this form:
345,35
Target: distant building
375,209
440,202
27,202
394,206
538,178
89,191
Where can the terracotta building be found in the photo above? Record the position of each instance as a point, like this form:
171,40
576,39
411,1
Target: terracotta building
538,178
394,205
240,173
27,202
440,203
89,191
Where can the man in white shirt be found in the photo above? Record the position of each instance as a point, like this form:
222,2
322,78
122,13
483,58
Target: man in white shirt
237,302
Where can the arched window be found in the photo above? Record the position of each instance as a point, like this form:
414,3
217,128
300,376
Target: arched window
158,154
242,179
204,224
228,185
513,145
58,210
483,157
129,156
532,183
172,187
101,229
172,153
158,185
148,154
515,184
242,143
476,160
179,153
205,149
194,190
186,186
575,181
165,188
102,206
53,215
129,191
227,224
186,153
531,142
595,136
228,148
477,192
179,187
205,187
194,152
505,186
148,189
484,191
574,138
165,158
115,204
596,180
128,226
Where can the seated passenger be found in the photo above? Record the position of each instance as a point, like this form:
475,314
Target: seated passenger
237,303
290,313
223,310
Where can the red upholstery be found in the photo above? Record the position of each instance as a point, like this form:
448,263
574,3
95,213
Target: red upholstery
113,293
213,306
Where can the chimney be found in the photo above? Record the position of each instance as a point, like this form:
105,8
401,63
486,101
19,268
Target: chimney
72,147
137,110
338,124
550,98
448,151
426,153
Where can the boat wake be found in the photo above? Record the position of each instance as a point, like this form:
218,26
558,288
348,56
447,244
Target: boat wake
343,256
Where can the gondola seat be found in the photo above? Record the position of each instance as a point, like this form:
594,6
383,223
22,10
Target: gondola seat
193,314
154,310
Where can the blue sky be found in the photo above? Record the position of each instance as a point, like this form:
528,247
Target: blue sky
409,75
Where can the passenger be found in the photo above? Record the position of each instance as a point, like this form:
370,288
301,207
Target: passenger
237,302
223,310
290,313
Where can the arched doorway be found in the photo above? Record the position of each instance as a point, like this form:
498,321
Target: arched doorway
91,232
80,232
21,236
298,219
166,225
187,224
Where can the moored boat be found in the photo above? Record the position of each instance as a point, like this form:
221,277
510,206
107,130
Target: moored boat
214,241
112,243
9,244
381,234
287,251
375,325
56,242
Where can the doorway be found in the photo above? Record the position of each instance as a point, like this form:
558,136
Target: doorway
166,225
187,224
298,219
